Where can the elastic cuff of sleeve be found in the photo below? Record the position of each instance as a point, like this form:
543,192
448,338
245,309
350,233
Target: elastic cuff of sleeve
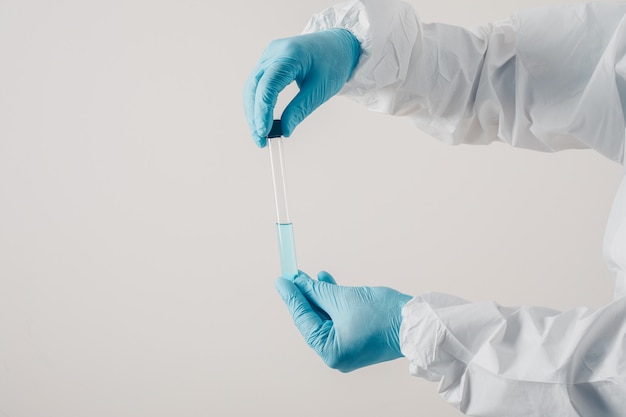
432,351
386,31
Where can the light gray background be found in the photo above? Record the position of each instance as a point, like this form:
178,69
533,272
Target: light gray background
137,241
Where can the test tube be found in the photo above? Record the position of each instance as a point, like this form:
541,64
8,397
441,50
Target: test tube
284,227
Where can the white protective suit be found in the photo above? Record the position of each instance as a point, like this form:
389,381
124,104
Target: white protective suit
547,79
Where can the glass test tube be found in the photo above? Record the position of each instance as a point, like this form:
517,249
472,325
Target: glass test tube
286,244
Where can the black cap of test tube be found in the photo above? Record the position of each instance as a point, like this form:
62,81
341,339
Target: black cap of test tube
276,131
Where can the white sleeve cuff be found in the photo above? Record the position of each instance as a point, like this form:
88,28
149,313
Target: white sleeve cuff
395,28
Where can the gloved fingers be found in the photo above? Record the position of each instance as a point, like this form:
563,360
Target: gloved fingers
324,276
313,328
320,293
318,310
249,93
276,76
309,98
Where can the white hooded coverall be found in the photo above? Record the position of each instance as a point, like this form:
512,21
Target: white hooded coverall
547,79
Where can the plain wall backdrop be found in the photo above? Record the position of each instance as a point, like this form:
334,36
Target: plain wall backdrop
137,242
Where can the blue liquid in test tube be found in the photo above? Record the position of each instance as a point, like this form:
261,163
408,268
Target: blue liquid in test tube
284,227
287,247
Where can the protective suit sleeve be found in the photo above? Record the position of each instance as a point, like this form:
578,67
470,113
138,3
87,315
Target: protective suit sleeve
547,79
521,361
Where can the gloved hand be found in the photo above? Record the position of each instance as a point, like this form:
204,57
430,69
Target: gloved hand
319,62
349,327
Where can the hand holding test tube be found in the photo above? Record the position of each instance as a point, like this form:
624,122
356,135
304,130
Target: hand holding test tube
286,244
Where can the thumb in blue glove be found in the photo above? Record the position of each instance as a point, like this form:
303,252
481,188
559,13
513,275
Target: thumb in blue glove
348,327
319,62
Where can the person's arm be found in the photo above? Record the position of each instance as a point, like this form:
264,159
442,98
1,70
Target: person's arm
490,360
519,361
547,79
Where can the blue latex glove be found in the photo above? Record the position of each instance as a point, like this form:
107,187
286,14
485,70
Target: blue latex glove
319,62
348,327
